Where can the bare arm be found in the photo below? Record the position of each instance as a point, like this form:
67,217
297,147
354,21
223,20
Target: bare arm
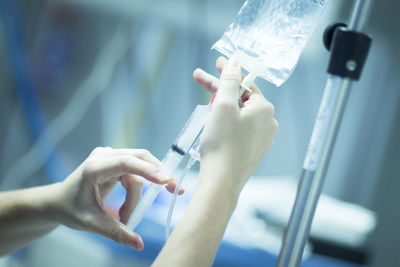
197,237
77,202
233,142
25,216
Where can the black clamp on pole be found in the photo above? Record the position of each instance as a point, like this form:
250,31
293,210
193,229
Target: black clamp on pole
349,51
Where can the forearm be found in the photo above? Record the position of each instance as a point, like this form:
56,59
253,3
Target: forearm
196,239
26,215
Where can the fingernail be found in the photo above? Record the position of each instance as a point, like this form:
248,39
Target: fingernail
233,62
134,244
137,244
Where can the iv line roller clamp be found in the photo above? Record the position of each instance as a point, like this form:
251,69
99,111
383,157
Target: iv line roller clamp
349,49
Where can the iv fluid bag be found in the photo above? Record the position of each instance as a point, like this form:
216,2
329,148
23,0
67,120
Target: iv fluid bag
268,36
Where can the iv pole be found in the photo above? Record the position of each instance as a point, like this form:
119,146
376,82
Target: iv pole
349,49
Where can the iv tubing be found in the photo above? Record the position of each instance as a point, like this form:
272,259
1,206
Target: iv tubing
189,165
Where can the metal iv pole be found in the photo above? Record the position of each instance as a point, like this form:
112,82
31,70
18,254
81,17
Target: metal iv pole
349,49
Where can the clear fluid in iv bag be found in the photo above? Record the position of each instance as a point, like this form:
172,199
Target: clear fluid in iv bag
268,36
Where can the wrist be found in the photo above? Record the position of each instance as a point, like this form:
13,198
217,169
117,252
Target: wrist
36,203
221,172
49,203
215,175
60,204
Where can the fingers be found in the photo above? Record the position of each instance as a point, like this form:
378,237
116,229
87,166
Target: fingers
257,101
104,169
134,187
208,81
228,92
220,63
171,187
211,83
139,153
105,225
258,104
205,80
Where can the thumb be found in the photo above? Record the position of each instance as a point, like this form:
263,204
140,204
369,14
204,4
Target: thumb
228,91
111,228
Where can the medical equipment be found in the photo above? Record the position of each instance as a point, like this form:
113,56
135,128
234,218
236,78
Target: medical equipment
268,36
188,136
349,49
188,141
194,157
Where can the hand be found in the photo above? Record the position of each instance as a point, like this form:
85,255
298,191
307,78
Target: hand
84,192
234,139
232,144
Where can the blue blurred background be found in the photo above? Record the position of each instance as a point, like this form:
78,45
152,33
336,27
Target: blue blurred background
77,74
